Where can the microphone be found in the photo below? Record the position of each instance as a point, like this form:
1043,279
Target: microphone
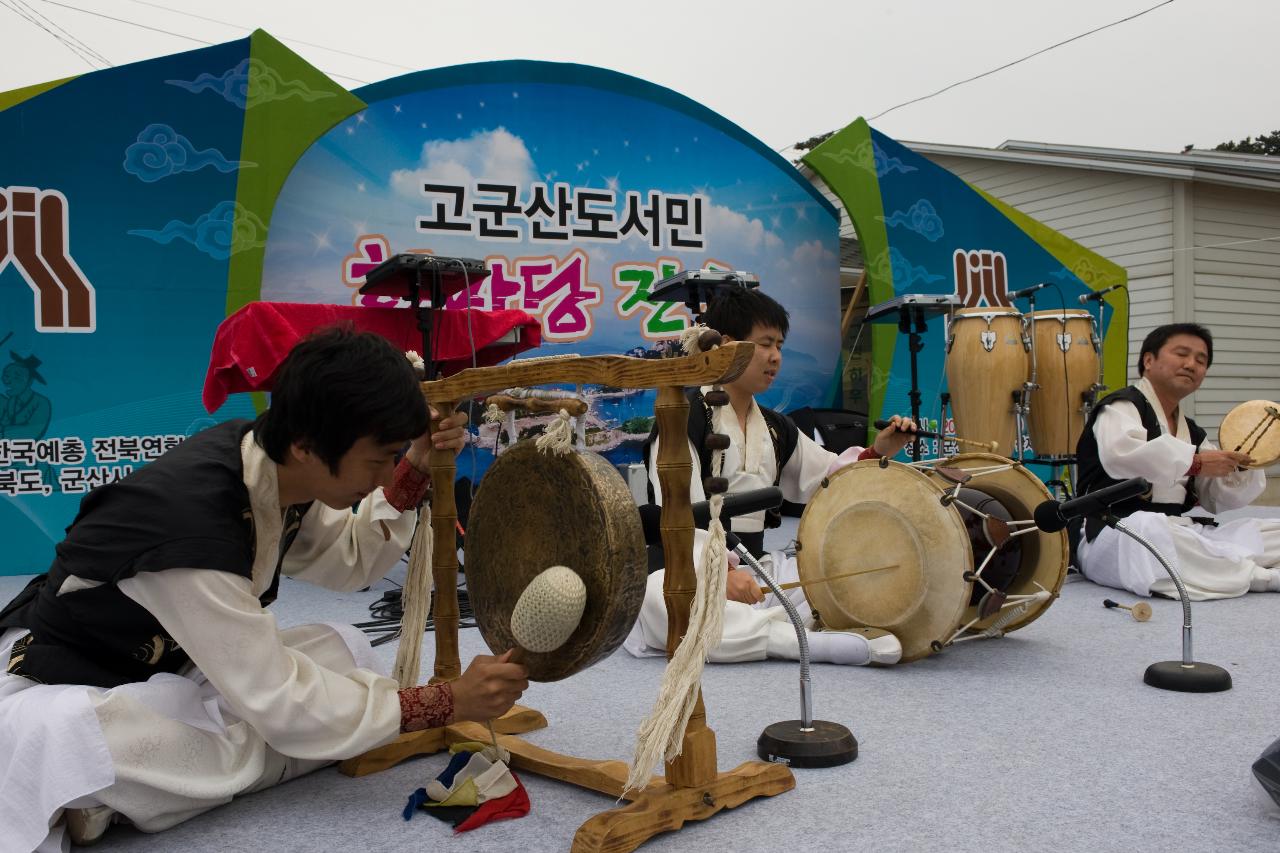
739,503
1096,296
1027,291
1052,516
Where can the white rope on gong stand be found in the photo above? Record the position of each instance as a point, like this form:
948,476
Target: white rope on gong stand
415,597
415,602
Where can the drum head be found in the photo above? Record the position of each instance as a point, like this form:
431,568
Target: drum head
1252,417
910,554
535,510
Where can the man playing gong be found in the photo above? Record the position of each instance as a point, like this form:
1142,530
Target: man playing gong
146,680
765,448
1139,431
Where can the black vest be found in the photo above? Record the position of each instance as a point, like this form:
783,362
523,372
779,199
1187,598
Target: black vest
188,509
1091,476
783,433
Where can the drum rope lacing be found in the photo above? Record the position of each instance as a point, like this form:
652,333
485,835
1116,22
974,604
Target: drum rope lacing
1015,606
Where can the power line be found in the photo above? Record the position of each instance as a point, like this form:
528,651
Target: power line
68,45
285,38
130,23
93,53
1006,65
171,33
1018,61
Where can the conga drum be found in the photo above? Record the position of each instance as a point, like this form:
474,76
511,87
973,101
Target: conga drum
1066,361
986,366
535,510
931,552
1253,427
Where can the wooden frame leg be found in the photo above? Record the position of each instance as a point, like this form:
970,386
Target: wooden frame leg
430,741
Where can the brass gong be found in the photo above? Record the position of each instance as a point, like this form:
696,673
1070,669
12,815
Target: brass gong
535,510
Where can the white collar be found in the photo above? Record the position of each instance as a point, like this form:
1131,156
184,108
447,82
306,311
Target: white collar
1148,390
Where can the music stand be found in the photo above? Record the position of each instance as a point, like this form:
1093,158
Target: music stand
911,311
411,275
696,288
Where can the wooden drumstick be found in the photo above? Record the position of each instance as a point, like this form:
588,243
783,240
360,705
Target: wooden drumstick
813,581
545,616
992,446
1140,612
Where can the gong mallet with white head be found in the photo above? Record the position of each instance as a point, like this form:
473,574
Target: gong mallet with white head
546,615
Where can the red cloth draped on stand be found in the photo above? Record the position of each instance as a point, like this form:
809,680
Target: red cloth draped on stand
250,344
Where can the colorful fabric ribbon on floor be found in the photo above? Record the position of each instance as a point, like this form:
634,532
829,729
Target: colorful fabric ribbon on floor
475,788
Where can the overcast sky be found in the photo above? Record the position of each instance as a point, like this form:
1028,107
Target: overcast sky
1190,72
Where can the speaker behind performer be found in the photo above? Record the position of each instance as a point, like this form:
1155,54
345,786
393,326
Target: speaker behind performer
1140,431
146,680
765,449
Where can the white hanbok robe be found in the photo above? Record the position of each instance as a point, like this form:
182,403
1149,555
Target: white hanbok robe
751,631
263,706
1214,562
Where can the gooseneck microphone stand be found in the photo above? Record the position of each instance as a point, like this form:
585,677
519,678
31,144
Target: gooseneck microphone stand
805,742
1186,675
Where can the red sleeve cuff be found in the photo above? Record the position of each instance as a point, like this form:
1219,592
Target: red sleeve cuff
428,706
408,486
869,453
1194,470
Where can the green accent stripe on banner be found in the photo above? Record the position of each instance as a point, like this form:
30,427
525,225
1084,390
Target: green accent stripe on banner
16,96
847,163
277,131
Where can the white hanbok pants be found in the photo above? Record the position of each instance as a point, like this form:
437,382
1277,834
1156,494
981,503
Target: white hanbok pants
158,752
1214,562
751,631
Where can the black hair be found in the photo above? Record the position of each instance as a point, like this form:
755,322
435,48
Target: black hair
337,386
734,311
1160,335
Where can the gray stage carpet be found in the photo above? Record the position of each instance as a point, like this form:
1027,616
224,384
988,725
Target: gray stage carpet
1044,740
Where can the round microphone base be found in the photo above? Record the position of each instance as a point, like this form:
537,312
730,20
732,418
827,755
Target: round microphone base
1194,677
824,744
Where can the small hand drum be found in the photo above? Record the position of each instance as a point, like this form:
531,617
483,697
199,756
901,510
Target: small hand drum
534,510
1253,428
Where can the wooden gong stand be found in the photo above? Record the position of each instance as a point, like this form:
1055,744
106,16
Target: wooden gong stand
693,789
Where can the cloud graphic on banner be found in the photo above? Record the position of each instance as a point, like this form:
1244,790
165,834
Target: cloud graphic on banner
1089,272
497,155
161,151
920,218
869,157
886,164
226,230
896,267
251,84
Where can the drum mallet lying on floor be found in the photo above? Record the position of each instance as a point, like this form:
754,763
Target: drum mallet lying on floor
1140,612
